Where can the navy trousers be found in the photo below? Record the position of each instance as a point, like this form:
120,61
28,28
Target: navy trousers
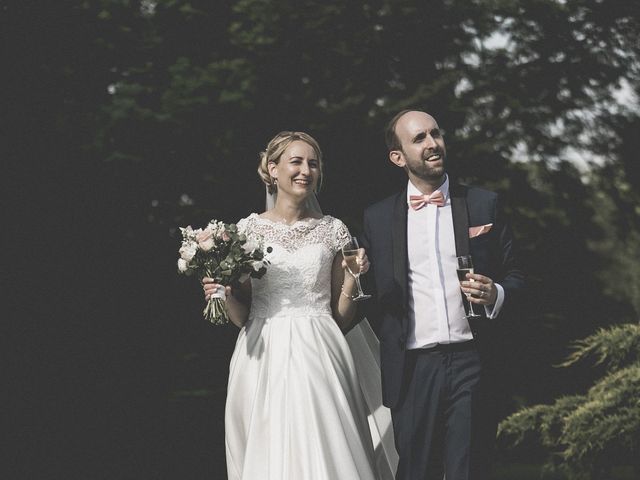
444,426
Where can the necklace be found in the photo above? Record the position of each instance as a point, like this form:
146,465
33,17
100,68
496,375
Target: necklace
282,219
289,222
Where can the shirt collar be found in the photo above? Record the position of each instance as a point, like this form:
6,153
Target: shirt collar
444,188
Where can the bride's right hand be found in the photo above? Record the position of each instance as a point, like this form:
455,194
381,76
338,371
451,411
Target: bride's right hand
209,286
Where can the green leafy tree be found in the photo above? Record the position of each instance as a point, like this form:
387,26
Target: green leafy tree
586,435
616,184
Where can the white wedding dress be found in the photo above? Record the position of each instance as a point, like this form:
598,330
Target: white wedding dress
295,406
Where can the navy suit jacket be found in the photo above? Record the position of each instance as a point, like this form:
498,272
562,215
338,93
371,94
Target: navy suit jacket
385,240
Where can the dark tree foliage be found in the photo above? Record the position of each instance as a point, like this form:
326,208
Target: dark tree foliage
126,119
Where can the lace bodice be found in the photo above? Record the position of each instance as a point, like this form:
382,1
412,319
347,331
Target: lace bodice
298,279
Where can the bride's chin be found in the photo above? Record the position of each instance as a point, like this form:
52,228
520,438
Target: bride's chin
299,195
302,189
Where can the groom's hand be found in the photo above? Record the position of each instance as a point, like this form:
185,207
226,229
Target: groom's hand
482,289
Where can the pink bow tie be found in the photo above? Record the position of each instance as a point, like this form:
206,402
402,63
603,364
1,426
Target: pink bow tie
419,201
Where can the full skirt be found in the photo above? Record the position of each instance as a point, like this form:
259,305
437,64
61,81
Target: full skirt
295,408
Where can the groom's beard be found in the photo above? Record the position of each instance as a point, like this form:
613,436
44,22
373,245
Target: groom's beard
421,168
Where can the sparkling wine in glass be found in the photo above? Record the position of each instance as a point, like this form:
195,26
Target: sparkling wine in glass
465,265
350,255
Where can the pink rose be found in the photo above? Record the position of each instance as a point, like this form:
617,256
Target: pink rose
225,236
205,239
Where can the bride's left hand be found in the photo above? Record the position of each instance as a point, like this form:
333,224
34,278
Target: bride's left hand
363,261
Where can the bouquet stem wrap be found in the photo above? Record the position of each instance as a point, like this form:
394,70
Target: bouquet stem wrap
215,310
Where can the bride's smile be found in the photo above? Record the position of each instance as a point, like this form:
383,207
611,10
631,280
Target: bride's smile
298,170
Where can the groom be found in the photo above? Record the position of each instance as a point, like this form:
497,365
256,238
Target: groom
438,367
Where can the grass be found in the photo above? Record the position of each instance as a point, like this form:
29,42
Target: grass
517,471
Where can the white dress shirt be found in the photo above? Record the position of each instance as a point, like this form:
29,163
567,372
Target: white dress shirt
436,311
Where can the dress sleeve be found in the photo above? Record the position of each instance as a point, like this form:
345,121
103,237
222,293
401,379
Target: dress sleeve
341,235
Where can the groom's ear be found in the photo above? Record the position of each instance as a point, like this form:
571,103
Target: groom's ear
397,158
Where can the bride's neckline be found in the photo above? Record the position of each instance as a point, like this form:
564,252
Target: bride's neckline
307,221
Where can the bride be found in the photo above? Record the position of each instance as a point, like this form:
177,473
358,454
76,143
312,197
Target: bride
302,404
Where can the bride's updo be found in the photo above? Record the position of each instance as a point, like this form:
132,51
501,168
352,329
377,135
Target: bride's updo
275,149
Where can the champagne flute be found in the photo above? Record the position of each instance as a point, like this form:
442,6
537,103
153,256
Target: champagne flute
350,255
465,265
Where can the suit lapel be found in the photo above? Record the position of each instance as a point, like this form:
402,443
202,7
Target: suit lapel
460,215
460,218
399,238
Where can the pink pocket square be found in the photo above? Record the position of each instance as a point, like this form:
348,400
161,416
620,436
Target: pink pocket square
479,230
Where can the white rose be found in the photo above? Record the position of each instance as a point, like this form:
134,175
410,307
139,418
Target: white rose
188,251
183,266
257,265
249,246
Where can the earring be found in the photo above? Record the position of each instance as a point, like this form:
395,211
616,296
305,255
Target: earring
275,181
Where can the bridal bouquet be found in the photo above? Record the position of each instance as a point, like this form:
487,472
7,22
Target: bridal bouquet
218,251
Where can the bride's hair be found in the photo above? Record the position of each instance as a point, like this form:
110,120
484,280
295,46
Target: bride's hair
275,149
